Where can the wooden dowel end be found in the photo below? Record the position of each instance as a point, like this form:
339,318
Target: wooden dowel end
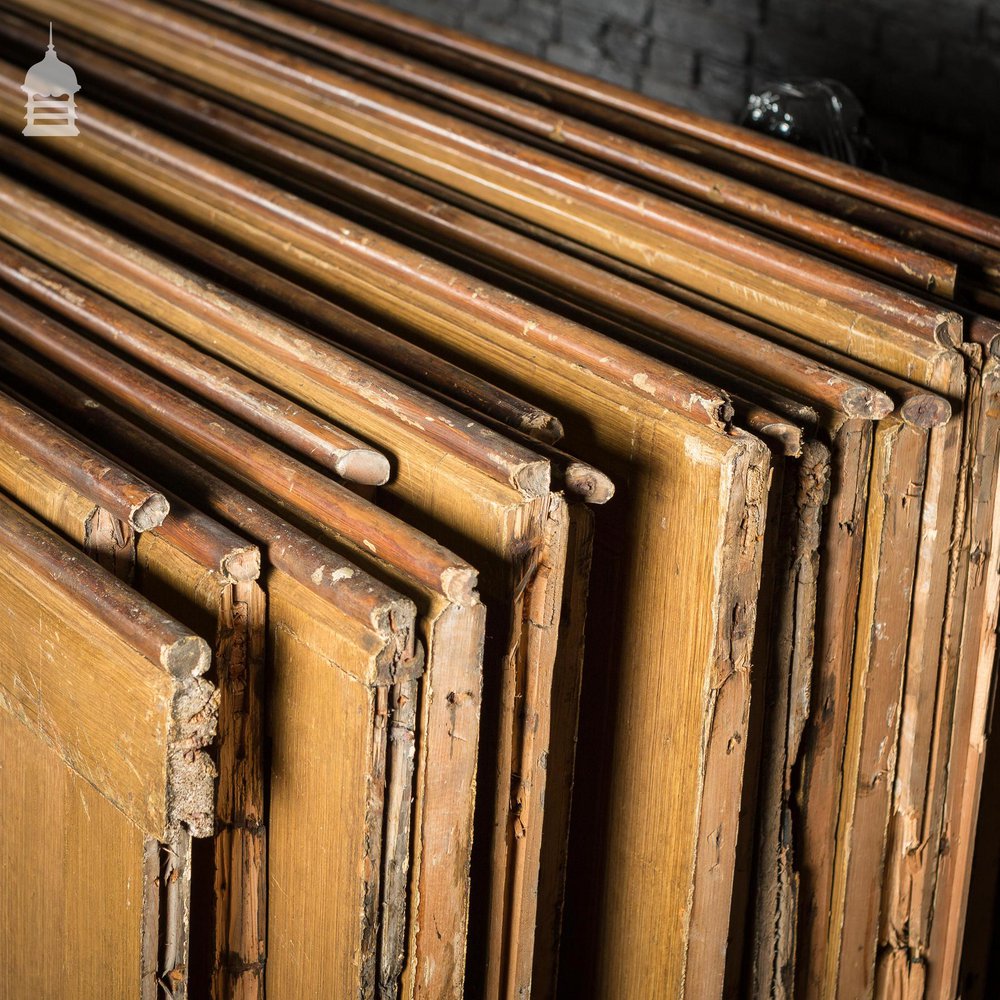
584,482
364,466
150,513
541,426
242,565
925,410
863,401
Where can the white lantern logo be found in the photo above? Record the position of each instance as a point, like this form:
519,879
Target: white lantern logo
45,83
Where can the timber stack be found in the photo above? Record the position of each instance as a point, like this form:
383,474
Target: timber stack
471,531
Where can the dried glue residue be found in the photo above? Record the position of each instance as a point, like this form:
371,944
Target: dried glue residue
696,451
342,573
54,286
641,381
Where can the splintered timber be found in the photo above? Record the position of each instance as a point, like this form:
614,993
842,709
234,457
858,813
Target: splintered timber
472,531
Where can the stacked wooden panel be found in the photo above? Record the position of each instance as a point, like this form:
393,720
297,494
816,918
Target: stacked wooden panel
582,515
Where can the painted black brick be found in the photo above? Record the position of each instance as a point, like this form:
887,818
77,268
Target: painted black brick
624,43
705,30
802,17
750,12
670,62
728,82
908,46
927,71
631,11
854,25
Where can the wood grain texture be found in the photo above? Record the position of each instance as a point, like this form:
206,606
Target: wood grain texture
972,647
486,402
205,576
624,110
321,570
938,421
151,765
419,368
449,712
600,392
511,776
565,135
160,951
622,428
524,520
231,614
256,405
211,316
40,798
55,502
649,231
561,762
772,911
599,285
877,683
906,857
817,795
121,494
408,300
939,506
919,671
449,581
448,737
925,409
127,916
607,428
906,916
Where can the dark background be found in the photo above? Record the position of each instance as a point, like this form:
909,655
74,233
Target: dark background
927,73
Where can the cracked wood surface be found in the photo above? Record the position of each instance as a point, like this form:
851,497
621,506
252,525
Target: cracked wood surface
819,928
639,226
884,608
404,302
157,773
420,369
972,648
712,448
327,618
566,136
155,935
521,524
663,124
205,575
786,702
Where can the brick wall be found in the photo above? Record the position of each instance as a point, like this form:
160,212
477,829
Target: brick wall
927,71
